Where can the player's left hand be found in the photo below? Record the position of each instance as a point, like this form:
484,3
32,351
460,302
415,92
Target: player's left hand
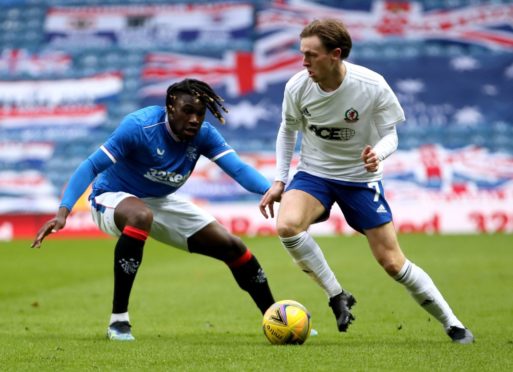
370,159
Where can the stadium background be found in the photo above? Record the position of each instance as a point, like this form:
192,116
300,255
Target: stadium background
70,70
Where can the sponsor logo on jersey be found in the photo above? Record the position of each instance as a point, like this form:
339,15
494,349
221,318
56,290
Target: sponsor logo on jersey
306,112
169,178
160,152
351,115
332,133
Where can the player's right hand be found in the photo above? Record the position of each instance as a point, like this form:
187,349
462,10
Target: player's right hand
270,197
50,227
370,159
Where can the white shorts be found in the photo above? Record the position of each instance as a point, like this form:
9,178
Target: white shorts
174,219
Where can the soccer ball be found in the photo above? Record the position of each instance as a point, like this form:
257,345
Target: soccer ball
287,322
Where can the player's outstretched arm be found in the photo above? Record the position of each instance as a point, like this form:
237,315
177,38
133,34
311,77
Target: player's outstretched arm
77,185
245,175
51,226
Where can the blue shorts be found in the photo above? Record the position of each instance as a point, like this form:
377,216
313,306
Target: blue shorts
362,203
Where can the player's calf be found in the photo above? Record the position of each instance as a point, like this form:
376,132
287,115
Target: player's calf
250,276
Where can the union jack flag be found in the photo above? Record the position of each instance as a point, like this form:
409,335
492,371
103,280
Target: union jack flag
487,25
463,171
240,72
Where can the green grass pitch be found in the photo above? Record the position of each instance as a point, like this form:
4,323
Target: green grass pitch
189,315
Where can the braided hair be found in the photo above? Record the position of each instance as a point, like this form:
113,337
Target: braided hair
201,91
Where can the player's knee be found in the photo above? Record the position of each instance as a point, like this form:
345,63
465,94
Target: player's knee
141,218
235,248
287,229
223,246
214,241
231,249
391,266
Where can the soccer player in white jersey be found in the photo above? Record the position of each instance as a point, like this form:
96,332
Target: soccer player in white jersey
347,115
146,159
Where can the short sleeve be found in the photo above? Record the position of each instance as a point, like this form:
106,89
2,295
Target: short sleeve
387,110
124,138
291,113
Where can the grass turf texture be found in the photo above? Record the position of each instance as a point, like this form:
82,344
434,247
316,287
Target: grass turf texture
189,315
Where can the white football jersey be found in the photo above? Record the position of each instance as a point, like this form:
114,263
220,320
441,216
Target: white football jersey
337,125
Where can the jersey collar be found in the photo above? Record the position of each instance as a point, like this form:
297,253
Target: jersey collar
170,131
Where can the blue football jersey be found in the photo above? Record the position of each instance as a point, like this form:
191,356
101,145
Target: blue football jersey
148,161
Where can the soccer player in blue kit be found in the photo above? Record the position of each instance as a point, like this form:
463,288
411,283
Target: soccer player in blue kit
137,170
347,115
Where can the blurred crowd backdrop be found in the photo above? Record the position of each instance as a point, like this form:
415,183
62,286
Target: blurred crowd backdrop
70,70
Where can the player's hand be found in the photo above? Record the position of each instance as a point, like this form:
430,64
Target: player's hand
370,159
52,226
270,197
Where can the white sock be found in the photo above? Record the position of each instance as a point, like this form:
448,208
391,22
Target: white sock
121,317
308,256
424,291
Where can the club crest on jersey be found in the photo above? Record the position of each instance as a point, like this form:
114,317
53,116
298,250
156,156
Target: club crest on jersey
351,115
191,153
